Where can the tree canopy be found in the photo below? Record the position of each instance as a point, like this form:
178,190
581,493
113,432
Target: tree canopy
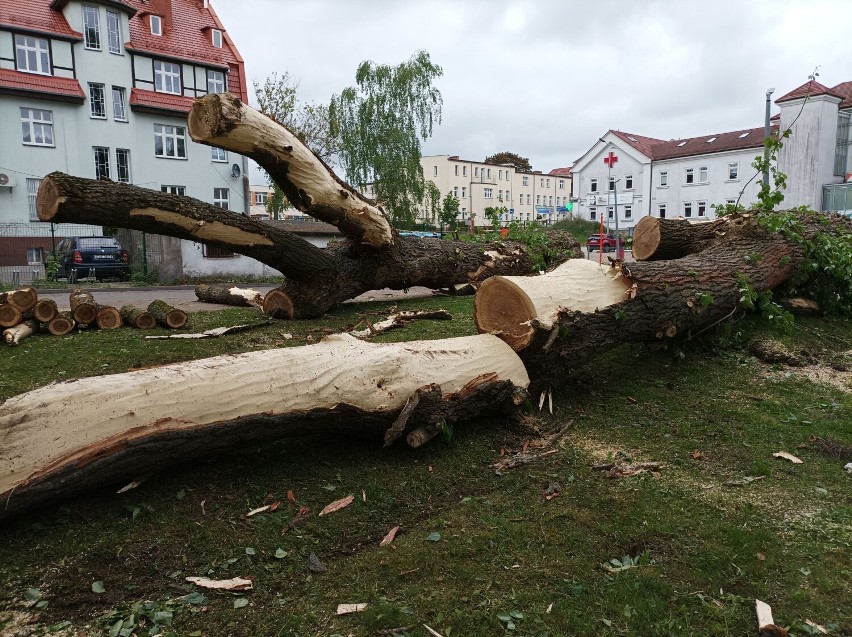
380,124
521,163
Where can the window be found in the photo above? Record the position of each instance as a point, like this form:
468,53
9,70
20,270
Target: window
548,183
476,171
731,202
500,175
456,170
612,183
101,162
97,101
550,200
156,25
170,141
703,175
217,38
32,191
166,77
702,208
489,173
218,154
499,195
525,181
214,252
464,192
456,192
122,165
35,256
174,190
733,170
507,196
687,209
664,179
593,214
538,200
434,171
609,212
119,109
593,185
690,176
628,212
91,28
220,198
215,82
260,198
489,193
32,54
561,184
113,32
37,127
628,182
529,199
464,171
661,211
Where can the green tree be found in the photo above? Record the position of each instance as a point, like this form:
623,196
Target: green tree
493,215
450,211
432,202
520,163
381,122
276,202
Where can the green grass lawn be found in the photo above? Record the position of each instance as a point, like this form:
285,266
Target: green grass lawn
539,550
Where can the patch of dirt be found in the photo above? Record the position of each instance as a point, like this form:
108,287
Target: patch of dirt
832,449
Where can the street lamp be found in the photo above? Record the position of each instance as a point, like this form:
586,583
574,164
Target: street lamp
769,92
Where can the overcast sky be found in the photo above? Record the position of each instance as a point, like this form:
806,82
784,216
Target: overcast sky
546,78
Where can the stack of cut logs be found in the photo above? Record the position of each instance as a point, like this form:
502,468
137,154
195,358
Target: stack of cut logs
23,314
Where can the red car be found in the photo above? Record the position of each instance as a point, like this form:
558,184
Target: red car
610,242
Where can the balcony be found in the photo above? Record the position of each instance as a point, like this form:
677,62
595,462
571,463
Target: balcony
482,179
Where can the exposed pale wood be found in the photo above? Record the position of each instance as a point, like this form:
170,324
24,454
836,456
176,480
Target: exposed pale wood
83,306
166,315
14,335
277,304
137,317
108,317
24,299
228,294
514,307
658,239
765,623
401,319
62,324
9,315
223,120
45,310
68,436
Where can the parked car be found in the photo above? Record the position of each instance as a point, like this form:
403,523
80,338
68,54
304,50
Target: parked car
610,242
98,257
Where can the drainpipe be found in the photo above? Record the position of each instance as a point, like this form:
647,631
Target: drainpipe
650,184
769,92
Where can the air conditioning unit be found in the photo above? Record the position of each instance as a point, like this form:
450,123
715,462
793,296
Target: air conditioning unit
7,180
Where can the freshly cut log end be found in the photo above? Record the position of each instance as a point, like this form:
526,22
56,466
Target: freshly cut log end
14,335
278,305
83,307
61,325
503,309
646,238
167,316
23,299
108,318
45,310
9,315
228,294
137,317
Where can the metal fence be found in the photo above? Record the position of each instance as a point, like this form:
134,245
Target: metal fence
26,247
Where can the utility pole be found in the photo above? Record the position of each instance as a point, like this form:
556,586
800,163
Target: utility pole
769,92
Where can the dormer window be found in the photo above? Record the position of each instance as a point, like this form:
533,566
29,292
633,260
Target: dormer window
156,25
217,38
32,55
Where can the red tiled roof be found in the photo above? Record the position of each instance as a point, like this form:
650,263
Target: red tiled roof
16,82
118,4
150,100
186,36
811,88
36,17
561,172
844,90
658,149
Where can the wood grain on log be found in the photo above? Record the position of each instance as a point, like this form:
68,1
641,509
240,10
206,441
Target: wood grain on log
107,318
62,324
83,307
228,294
24,299
45,310
166,315
9,315
68,436
222,120
137,317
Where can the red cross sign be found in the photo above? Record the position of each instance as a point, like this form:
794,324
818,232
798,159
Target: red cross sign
610,159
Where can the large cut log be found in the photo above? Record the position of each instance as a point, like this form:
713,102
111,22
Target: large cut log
9,315
23,299
310,185
167,315
45,310
62,324
228,294
108,318
14,335
656,239
69,436
83,306
558,321
137,317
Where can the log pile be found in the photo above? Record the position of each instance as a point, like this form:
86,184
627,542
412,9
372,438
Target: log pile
23,314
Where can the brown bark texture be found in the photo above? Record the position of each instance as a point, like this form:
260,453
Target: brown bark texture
227,294
107,318
167,315
83,307
137,317
62,324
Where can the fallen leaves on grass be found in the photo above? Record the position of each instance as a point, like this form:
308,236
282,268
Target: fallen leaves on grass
315,565
268,507
387,539
337,505
787,456
233,584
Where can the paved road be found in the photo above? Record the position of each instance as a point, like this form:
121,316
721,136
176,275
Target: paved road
183,296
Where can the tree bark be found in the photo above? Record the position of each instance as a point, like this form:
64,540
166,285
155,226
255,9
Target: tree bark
23,299
228,294
67,437
137,317
14,335
222,120
552,325
166,315
83,307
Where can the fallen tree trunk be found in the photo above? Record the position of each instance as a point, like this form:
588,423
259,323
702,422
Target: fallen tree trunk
9,315
83,307
24,299
166,315
559,320
45,310
137,317
107,317
62,324
69,436
14,335
228,294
